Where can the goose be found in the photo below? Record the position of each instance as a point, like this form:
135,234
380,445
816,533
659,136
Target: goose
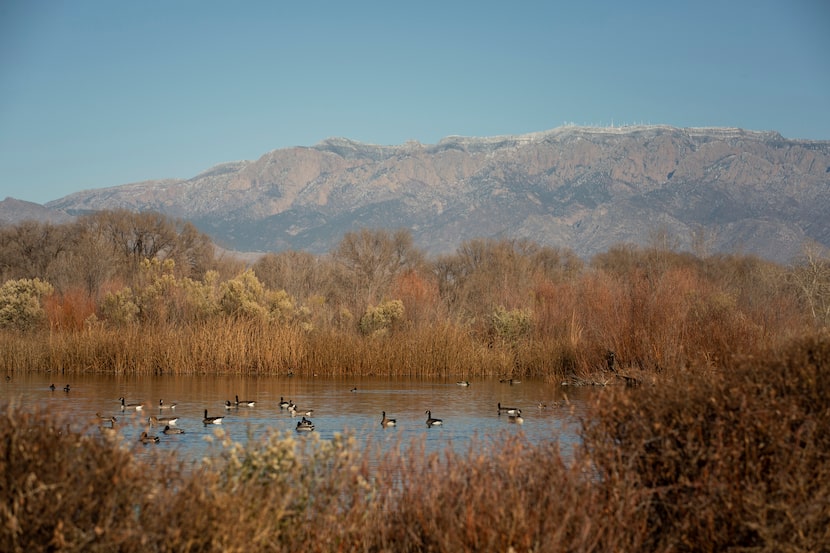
212,420
52,387
249,403
308,412
66,388
431,421
508,410
354,389
147,439
516,417
163,406
283,403
229,405
125,405
463,382
162,420
305,425
387,422
170,430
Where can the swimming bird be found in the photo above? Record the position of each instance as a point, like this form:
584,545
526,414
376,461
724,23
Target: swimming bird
354,389
508,410
147,439
387,422
283,403
248,402
229,405
516,417
169,430
305,425
431,421
162,420
125,405
52,387
463,382
163,406
212,420
66,388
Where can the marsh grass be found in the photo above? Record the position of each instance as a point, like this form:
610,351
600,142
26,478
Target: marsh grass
737,460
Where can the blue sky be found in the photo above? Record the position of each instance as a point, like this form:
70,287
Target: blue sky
100,93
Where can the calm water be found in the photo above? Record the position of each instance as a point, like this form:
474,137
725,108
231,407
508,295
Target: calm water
467,412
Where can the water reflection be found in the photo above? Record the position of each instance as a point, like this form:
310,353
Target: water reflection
338,405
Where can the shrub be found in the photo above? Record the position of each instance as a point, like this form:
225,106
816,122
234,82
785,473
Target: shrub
21,303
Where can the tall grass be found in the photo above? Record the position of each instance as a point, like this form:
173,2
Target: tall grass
739,461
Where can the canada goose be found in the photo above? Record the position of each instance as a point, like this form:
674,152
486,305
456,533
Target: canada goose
354,389
431,421
212,420
516,417
305,425
66,388
248,402
283,403
125,405
152,421
52,387
387,422
163,406
308,412
169,430
229,405
508,410
463,382
147,439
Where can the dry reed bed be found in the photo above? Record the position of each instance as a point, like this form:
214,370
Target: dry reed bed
737,461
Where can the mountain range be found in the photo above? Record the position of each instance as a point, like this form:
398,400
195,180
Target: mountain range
583,188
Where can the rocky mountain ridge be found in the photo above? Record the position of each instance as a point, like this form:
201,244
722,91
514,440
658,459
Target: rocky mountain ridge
577,187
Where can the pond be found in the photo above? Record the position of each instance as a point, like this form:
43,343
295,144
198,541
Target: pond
354,405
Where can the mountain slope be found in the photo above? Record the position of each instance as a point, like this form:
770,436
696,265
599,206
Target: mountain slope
582,188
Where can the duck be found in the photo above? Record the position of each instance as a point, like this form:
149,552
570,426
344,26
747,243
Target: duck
431,421
147,439
125,405
283,403
163,406
248,402
387,422
170,430
212,420
463,382
162,420
508,410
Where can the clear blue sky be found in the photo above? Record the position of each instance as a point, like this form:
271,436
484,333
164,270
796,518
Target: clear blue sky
99,93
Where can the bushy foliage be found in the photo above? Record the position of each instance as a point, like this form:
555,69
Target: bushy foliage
382,318
21,303
511,325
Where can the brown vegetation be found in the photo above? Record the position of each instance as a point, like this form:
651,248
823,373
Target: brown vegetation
154,298
739,460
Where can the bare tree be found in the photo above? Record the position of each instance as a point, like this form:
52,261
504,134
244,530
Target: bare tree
369,261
